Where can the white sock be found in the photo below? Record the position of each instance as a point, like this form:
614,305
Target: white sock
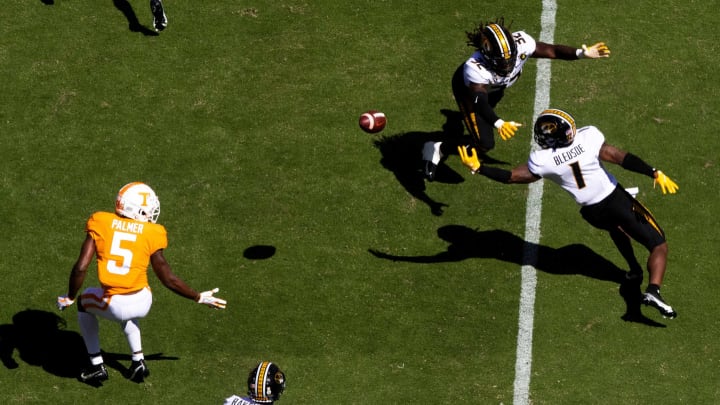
132,332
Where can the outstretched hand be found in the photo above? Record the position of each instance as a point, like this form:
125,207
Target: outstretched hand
470,159
666,184
64,302
206,298
598,50
507,129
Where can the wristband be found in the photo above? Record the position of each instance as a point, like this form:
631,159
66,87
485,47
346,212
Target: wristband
580,53
501,175
637,165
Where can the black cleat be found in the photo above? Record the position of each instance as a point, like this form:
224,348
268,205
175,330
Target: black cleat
655,300
159,18
138,371
94,373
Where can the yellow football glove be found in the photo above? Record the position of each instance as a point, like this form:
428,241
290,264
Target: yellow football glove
599,50
666,184
470,160
507,129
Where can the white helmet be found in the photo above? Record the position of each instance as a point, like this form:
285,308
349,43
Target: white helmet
138,201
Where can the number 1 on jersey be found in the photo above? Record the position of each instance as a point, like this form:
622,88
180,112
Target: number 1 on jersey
577,174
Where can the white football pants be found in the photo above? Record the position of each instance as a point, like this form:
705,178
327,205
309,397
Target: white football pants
124,309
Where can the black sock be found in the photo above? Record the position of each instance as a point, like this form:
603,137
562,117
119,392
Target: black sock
653,288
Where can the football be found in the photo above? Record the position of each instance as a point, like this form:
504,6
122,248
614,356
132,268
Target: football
372,121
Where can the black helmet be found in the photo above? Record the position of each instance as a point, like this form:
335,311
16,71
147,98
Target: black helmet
266,382
554,129
499,48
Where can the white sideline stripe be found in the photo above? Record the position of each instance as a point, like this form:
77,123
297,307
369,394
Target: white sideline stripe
533,213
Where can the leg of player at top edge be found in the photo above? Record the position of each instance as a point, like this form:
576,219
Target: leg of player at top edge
160,20
572,158
479,83
125,242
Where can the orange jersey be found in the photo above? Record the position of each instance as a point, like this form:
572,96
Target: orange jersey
124,247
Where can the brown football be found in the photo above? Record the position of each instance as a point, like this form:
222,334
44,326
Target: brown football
372,121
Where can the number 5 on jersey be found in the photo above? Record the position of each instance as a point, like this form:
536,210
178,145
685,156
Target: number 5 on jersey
116,249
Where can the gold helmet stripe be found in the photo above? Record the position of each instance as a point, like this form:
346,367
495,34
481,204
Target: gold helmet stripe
260,380
562,114
502,40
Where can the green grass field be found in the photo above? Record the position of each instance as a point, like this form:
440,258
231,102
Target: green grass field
243,118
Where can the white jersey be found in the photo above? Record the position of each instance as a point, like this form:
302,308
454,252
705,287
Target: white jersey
477,69
236,400
576,168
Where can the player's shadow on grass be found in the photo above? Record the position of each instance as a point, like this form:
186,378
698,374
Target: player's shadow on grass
39,338
121,362
466,243
133,22
124,7
402,155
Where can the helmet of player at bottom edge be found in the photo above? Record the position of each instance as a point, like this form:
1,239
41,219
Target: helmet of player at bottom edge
138,201
554,129
266,382
499,48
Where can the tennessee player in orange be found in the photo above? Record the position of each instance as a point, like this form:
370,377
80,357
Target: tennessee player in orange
125,242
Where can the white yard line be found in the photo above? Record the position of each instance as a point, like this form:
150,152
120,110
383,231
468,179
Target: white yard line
533,213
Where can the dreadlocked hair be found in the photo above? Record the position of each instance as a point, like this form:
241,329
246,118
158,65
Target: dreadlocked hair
475,36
